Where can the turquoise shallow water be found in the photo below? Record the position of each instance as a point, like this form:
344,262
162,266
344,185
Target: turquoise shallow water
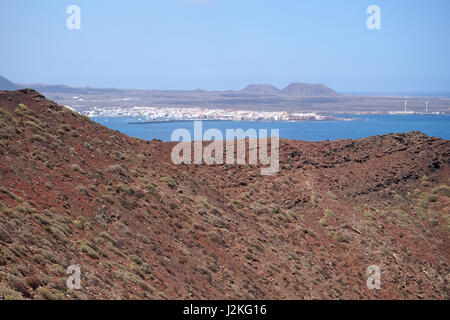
364,126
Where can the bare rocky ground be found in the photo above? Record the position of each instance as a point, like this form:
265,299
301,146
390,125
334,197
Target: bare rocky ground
140,227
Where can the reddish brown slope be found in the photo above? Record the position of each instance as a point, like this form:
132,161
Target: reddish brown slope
74,192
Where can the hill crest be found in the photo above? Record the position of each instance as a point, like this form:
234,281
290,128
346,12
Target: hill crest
140,227
5,84
309,90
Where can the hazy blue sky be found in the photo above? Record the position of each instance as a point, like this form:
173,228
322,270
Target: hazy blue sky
227,44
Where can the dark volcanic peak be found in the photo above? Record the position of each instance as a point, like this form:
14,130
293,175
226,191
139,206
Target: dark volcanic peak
5,84
261,89
309,90
294,89
140,227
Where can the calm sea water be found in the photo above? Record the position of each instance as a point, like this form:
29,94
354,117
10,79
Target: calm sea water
364,126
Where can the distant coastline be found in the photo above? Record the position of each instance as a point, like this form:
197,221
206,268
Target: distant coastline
228,120
172,121
363,126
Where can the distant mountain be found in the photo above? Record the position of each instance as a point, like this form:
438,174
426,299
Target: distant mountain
5,84
294,89
59,88
309,90
261,89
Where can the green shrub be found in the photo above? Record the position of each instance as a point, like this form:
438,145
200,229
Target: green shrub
35,127
314,198
151,187
39,258
25,208
329,213
170,182
11,194
57,234
5,115
9,294
259,209
5,236
425,184
117,169
130,277
21,110
340,237
50,256
444,190
42,219
429,197
275,208
136,259
214,236
108,198
78,224
115,250
369,215
83,190
64,127
58,269
90,249
97,141
37,137
238,203
49,294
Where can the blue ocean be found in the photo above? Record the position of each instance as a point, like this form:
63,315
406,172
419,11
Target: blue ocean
363,126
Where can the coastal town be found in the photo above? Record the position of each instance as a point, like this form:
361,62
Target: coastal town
149,114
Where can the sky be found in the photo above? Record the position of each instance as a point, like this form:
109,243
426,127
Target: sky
228,44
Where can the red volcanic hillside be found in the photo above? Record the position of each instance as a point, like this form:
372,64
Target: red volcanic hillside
140,227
